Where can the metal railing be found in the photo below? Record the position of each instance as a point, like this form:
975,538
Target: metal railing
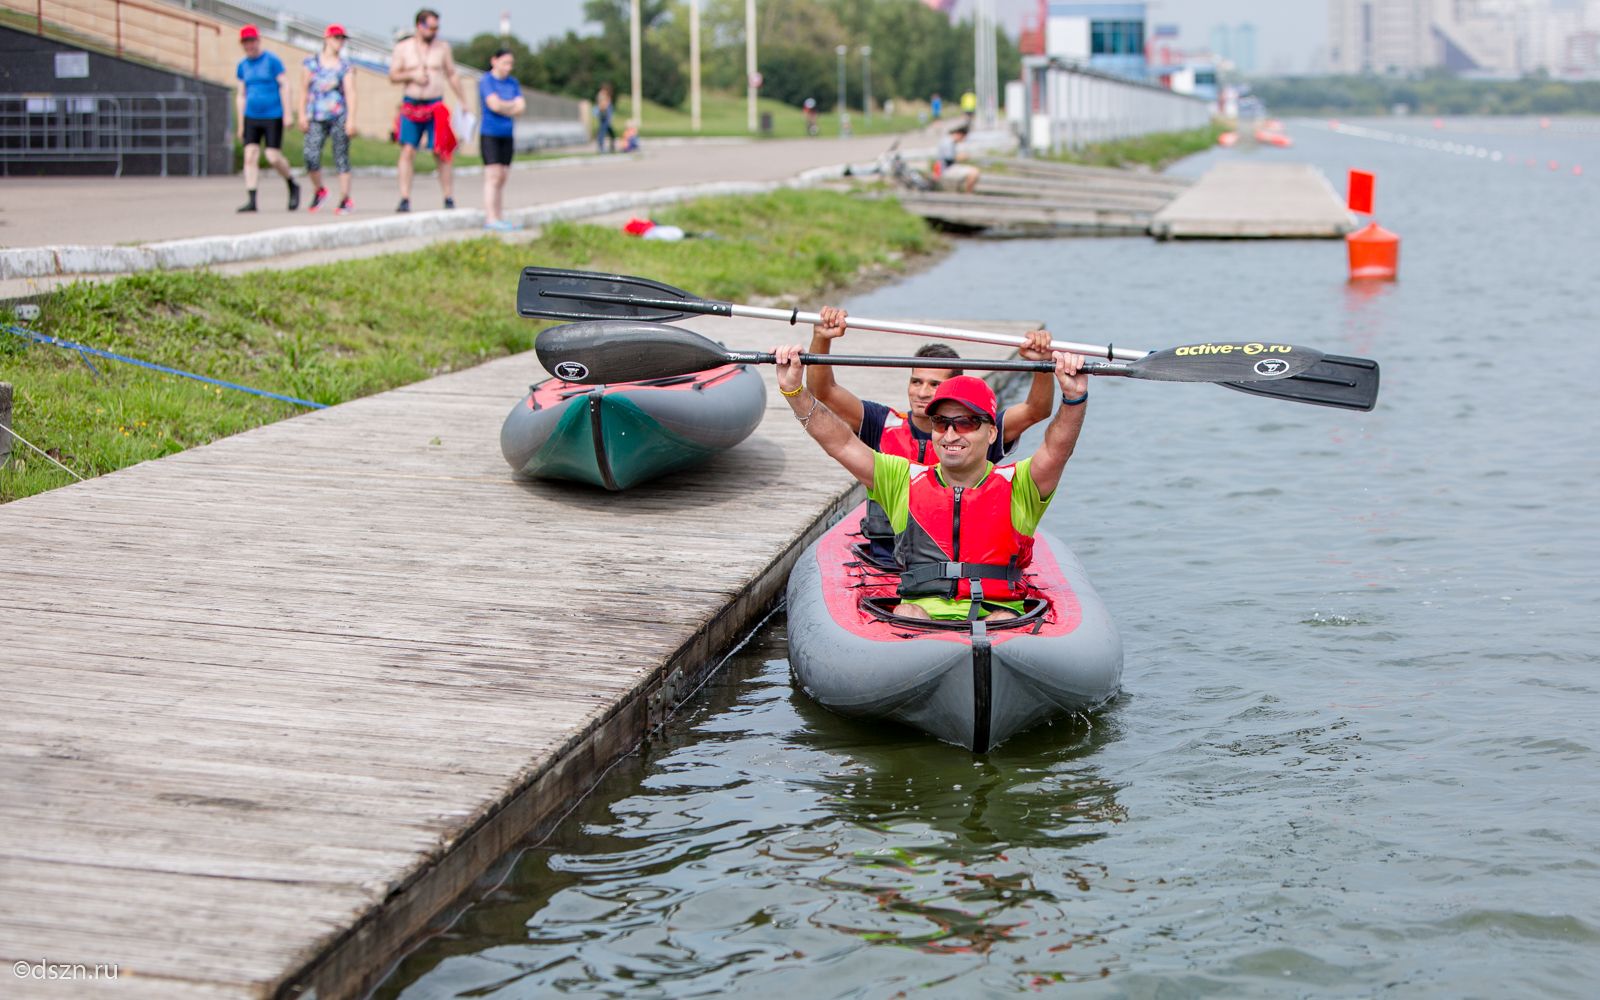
1070,106
103,128
156,32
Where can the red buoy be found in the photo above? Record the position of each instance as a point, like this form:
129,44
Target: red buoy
1374,254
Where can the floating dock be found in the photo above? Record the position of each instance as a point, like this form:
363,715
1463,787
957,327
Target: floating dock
1029,198
1241,200
274,703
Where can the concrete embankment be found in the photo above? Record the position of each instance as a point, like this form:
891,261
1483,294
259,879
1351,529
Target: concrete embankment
274,703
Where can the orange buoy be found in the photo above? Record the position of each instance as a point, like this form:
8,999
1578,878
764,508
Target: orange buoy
1577,170
1374,254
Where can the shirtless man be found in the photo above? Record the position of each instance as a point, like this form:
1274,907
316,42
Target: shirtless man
424,64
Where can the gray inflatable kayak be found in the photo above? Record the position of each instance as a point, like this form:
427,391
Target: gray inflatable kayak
851,654
617,435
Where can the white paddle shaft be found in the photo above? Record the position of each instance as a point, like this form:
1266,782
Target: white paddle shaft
796,317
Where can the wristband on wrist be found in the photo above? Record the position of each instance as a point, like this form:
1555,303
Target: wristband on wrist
797,391
1073,402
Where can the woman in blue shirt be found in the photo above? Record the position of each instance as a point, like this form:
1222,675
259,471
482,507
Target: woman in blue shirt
263,114
501,98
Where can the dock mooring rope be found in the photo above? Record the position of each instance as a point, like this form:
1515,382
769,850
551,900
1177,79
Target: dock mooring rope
44,338
43,454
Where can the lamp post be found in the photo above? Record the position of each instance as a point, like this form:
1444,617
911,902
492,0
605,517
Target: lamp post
752,79
694,65
844,111
866,82
633,65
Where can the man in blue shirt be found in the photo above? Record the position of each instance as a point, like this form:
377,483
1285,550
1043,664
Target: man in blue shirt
263,114
501,97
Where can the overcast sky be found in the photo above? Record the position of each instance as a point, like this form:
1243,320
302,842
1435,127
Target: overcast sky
1287,31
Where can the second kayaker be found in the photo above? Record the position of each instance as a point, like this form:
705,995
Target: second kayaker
908,433
963,527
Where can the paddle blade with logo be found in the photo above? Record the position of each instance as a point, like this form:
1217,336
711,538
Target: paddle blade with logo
596,353
1229,362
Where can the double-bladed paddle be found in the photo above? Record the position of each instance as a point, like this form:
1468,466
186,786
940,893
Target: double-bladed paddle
598,352
556,293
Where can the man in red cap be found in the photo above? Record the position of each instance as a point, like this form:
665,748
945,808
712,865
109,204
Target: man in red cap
262,114
964,527
908,434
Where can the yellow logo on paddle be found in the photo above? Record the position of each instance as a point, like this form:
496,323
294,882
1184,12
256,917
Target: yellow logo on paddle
1252,349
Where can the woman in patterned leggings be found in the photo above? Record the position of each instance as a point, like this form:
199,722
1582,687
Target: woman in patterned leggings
328,111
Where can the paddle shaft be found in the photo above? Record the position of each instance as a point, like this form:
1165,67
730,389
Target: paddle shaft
794,317
976,364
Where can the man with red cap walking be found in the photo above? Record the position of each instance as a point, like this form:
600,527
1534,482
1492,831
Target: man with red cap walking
964,527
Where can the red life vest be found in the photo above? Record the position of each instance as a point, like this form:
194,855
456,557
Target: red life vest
897,439
957,533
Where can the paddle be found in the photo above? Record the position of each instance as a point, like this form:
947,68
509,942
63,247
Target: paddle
556,293
592,353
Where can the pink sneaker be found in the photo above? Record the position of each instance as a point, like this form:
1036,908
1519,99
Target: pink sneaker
346,206
317,199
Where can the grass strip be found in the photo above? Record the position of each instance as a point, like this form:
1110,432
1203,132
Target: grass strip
340,331
1156,151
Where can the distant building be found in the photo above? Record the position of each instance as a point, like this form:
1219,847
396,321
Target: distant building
1108,37
1221,42
1243,53
1497,38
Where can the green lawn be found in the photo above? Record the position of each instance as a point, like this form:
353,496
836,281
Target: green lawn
340,331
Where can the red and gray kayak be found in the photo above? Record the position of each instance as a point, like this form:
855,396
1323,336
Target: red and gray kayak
974,687
618,435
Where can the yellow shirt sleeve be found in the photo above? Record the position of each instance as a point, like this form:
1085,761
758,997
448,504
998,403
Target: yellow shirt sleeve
891,488
1027,506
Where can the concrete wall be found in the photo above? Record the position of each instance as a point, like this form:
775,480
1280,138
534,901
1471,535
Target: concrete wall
28,66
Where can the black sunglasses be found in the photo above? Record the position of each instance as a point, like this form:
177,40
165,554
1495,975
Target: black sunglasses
963,423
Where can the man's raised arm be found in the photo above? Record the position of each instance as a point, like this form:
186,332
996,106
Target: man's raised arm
836,438
845,404
1061,437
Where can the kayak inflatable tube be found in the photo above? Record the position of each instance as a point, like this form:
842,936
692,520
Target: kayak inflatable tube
619,435
1064,656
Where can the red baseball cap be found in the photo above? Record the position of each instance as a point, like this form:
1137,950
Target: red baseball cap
248,32
334,31
968,390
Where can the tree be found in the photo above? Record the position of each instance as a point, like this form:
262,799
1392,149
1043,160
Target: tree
530,69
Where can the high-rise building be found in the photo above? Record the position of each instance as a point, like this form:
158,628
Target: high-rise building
1480,37
1244,48
1380,36
1221,42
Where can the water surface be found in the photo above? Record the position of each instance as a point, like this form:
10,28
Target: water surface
1354,755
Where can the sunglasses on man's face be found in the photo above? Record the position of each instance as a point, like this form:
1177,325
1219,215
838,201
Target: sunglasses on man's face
963,423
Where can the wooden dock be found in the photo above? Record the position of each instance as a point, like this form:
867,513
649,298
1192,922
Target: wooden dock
272,704
1031,198
1247,200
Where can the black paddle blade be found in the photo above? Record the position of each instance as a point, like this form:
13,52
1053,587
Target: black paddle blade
555,293
597,353
1346,383
1251,362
